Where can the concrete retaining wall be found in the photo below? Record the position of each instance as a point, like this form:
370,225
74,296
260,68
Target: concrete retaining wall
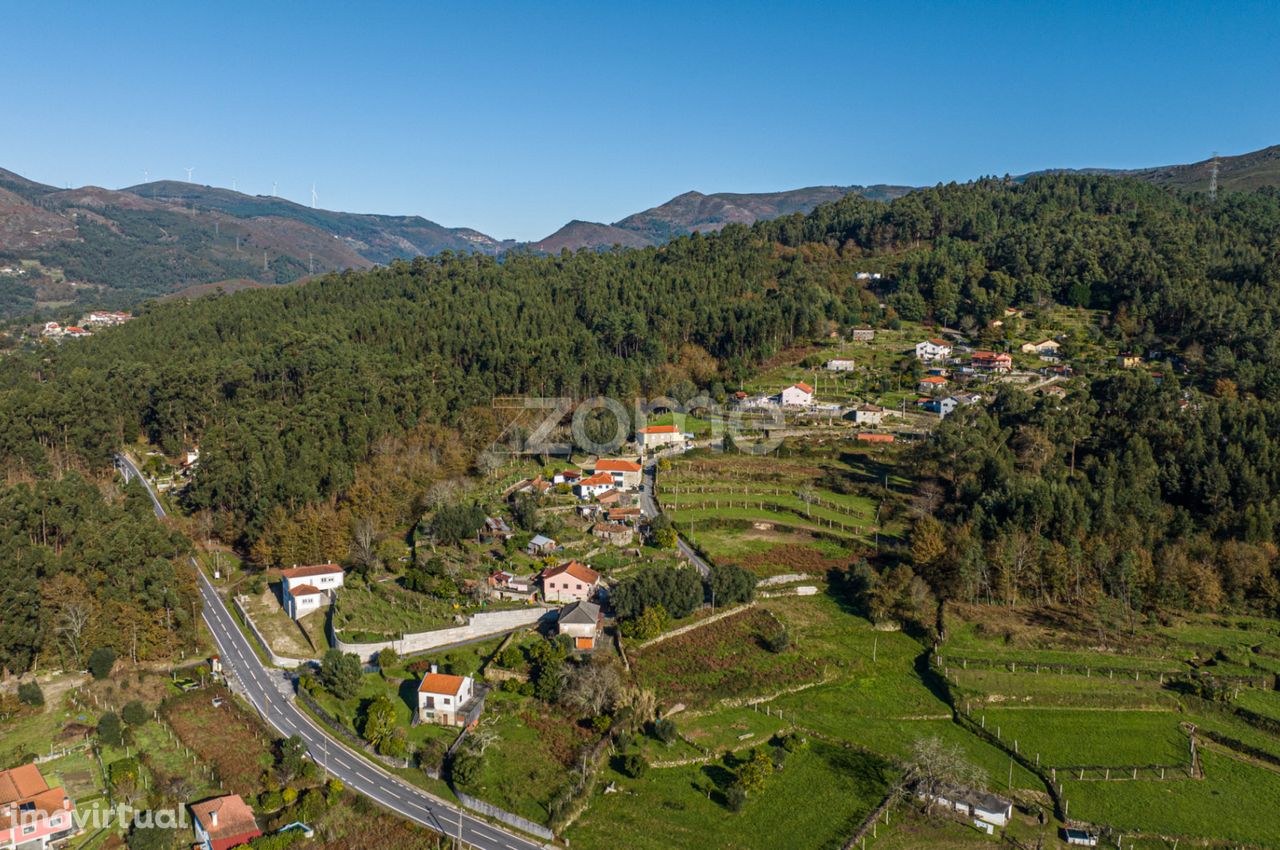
480,625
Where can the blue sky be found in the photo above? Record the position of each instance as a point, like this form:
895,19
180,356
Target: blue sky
516,117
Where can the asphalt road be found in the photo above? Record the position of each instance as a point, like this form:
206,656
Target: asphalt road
271,692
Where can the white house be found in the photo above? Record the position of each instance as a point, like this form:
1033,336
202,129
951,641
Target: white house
868,414
307,589
593,485
980,805
448,700
933,349
797,395
653,436
625,473
841,365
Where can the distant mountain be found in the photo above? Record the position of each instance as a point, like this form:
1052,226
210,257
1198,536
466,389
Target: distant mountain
1242,173
694,211
99,247
66,249
377,238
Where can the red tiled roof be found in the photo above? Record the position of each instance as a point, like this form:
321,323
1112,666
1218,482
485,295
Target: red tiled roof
933,379
441,683
304,590
801,385
597,479
581,572
308,572
614,465
659,429
936,341
235,818
19,782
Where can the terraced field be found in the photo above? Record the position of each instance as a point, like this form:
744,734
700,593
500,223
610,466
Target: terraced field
831,496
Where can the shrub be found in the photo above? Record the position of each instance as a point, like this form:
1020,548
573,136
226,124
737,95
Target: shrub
387,659
101,660
135,713
464,767
270,801
777,641
29,693
110,730
665,730
735,797
635,766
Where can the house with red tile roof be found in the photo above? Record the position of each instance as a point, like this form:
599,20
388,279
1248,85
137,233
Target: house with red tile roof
593,485
626,473
31,813
569,582
990,361
797,395
224,822
931,384
449,700
652,436
307,589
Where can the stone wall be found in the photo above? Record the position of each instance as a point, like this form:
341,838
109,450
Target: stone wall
480,625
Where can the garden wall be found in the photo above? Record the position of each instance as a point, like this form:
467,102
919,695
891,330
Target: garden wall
479,625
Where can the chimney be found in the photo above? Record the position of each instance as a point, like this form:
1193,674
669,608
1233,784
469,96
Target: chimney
434,669
213,817
66,803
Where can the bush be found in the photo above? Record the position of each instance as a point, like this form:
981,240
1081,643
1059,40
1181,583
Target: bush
29,693
651,623
387,659
464,767
777,641
735,797
135,713
270,801
665,730
101,660
111,730
635,766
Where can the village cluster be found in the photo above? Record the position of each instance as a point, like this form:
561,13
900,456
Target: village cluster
96,319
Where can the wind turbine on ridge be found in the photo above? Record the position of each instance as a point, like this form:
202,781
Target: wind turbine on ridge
313,196
190,168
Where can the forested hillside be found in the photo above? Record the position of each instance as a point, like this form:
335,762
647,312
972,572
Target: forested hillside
289,390
84,570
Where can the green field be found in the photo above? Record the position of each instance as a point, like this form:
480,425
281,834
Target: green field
1071,736
1235,801
821,795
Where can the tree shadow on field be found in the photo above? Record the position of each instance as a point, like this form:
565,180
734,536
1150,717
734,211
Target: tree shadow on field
717,780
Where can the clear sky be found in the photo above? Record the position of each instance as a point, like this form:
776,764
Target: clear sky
515,117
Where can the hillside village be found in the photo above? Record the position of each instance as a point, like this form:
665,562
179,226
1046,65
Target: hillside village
674,605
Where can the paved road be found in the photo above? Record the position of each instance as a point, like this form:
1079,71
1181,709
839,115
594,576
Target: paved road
650,508
271,693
